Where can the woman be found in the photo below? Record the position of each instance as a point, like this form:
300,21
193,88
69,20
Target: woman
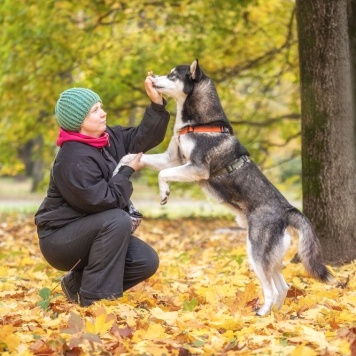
83,224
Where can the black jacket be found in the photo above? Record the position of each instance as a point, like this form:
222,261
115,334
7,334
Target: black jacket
81,181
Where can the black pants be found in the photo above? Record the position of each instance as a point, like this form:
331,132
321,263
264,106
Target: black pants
111,259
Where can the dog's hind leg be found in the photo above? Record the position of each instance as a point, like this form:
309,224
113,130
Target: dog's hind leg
267,244
278,279
265,276
282,288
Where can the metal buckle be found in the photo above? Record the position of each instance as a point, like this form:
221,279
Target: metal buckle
230,169
237,164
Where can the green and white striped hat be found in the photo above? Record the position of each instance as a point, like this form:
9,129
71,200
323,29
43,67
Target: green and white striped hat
73,107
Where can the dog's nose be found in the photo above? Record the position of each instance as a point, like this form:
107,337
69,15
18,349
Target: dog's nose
155,76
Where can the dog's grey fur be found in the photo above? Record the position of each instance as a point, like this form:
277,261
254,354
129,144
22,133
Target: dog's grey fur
203,157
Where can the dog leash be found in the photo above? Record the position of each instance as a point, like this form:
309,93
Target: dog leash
232,167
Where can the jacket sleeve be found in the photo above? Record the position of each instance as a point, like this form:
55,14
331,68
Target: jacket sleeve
149,133
83,186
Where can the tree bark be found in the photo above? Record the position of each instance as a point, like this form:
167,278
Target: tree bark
328,126
352,37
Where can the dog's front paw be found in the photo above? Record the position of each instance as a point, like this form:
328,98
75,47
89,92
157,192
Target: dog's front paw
164,192
123,162
164,198
126,159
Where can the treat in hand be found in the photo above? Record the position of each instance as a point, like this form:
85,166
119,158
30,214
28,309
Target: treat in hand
150,73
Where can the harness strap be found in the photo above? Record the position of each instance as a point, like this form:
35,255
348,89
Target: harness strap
189,129
232,167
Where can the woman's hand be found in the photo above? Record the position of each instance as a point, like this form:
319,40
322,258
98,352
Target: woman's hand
135,163
152,93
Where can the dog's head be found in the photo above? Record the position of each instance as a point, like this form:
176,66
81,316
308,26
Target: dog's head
180,81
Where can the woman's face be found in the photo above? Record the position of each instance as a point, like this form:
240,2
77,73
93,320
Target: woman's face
95,122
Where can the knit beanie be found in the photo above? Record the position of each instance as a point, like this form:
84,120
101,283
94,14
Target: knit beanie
73,107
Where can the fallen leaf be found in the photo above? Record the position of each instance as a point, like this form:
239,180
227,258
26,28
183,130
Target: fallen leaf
168,317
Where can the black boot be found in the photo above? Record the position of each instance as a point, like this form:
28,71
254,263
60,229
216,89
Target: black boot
86,302
70,284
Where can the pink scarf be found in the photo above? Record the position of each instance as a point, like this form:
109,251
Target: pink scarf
98,142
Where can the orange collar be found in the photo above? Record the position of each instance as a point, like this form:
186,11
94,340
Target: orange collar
188,129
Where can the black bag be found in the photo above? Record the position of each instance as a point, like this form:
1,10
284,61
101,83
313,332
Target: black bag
135,215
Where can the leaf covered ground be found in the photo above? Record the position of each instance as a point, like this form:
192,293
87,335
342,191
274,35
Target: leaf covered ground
200,302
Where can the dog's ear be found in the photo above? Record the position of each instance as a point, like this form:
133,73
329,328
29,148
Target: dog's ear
195,71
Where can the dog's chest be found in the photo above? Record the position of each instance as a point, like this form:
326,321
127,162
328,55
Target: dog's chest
185,147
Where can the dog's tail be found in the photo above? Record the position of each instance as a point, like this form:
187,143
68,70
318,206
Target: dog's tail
310,251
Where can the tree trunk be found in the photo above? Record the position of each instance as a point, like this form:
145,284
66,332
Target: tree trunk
352,36
34,165
328,126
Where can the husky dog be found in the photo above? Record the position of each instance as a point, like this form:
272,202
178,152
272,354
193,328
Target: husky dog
203,149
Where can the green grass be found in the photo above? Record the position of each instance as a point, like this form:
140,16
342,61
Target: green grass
15,196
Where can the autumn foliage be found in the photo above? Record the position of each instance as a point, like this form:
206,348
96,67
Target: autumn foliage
200,302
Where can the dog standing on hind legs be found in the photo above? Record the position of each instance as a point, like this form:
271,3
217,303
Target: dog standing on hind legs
203,149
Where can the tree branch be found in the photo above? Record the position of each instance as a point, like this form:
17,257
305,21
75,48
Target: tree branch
267,122
225,74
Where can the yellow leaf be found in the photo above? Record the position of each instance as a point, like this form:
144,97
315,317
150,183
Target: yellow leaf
103,322
169,317
309,301
343,345
228,323
345,315
155,331
247,295
303,350
317,338
209,294
8,337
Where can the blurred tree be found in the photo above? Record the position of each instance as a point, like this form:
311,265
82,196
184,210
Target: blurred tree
247,47
352,34
328,124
